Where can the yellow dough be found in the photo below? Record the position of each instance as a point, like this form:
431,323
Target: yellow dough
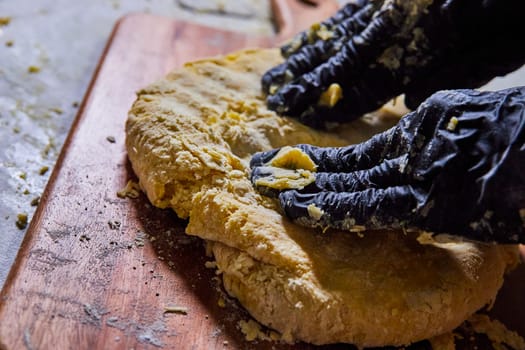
190,137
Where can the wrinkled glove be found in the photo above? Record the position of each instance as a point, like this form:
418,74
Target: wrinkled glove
372,50
456,165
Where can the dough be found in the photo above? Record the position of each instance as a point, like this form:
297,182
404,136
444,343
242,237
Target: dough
190,137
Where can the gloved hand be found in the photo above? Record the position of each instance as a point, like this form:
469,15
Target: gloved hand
456,165
373,50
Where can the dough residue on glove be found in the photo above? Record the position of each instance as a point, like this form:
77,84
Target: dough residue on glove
190,137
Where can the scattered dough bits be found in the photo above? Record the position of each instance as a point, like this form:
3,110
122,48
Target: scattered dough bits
21,220
190,137
254,331
175,309
33,69
4,21
501,337
292,158
314,212
132,190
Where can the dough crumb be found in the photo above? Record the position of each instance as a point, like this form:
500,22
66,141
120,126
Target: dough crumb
496,332
331,96
114,224
452,124
293,158
221,302
291,168
210,264
285,179
175,309
4,21
21,221
131,190
35,201
33,69
324,33
252,330
314,212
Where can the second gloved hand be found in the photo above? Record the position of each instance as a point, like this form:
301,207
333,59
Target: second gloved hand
373,50
456,165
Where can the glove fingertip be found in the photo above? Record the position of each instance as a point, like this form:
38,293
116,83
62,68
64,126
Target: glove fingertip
277,103
261,158
266,82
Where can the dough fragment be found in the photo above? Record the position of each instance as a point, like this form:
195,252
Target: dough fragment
281,179
289,168
292,158
190,137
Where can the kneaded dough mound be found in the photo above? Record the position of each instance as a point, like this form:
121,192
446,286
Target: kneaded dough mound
190,137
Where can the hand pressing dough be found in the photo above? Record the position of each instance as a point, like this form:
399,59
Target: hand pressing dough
190,137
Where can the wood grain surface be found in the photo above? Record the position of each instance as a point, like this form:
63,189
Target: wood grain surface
97,271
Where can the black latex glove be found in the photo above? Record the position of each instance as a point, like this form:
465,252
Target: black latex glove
376,50
455,165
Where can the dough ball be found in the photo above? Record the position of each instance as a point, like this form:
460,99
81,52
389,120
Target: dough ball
190,137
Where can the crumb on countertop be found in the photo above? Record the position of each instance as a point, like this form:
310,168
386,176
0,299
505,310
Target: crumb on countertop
114,224
57,110
33,69
35,201
4,21
210,264
252,330
21,221
175,309
221,302
132,190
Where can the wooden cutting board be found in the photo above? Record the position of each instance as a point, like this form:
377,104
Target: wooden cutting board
96,271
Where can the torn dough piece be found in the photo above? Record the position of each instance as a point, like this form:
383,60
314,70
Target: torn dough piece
292,158
291,168
281,179
190,137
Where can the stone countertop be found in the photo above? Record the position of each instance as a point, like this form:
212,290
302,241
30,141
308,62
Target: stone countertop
48,52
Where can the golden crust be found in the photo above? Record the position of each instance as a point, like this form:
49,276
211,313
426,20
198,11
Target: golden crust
189,138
